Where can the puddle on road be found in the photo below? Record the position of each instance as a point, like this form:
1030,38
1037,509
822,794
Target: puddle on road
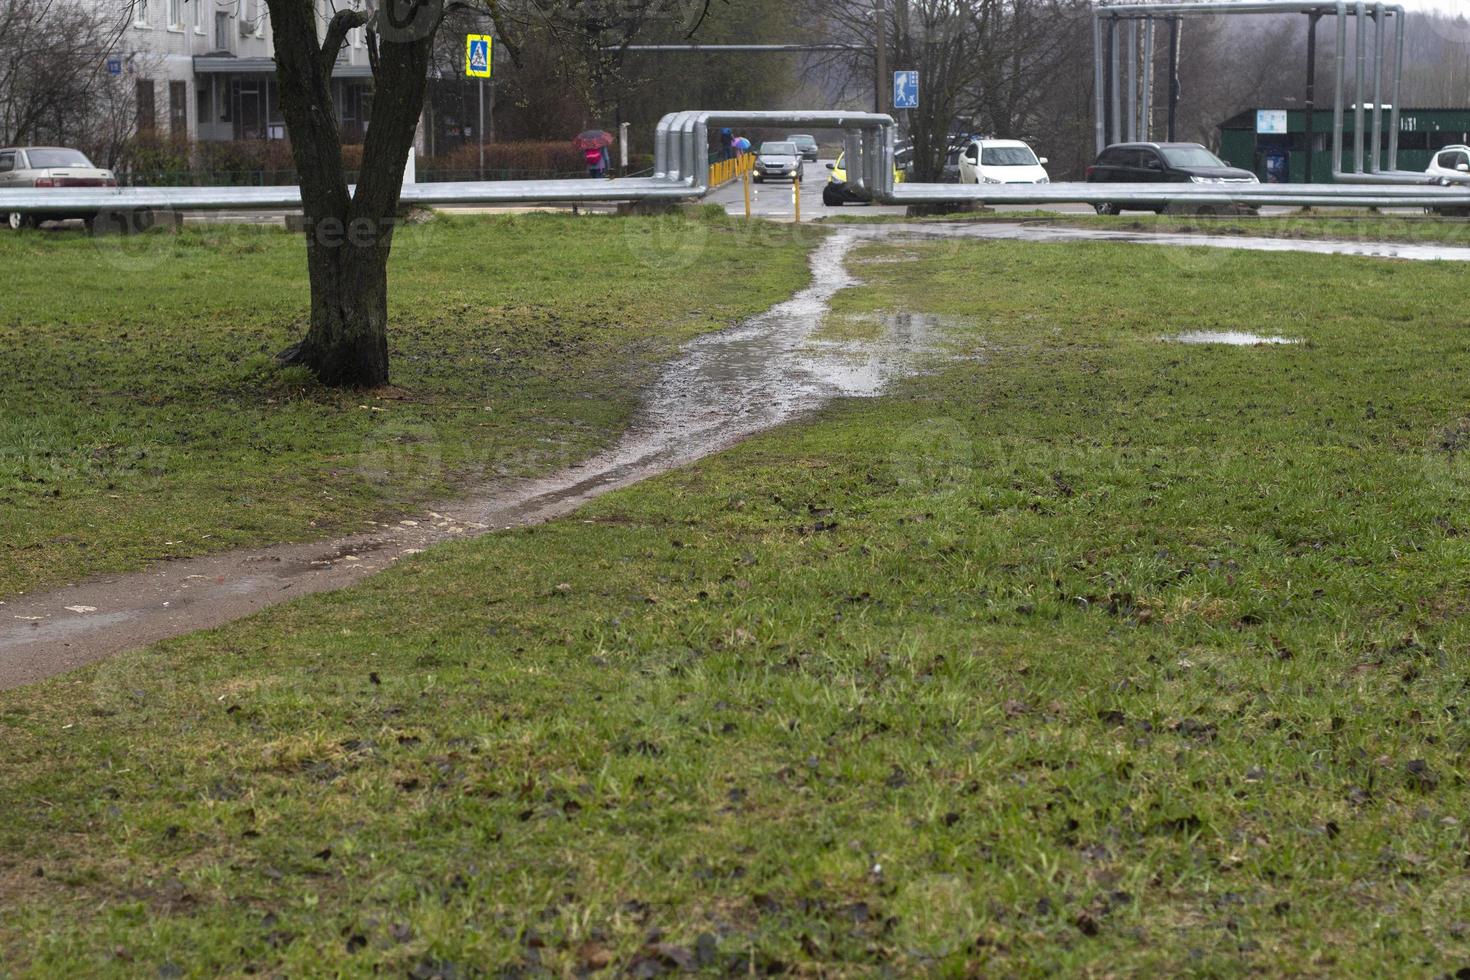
1231,338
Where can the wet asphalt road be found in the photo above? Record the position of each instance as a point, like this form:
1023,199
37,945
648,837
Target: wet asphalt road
775,201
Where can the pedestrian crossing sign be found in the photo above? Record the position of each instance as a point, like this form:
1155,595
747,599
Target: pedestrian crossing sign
477,55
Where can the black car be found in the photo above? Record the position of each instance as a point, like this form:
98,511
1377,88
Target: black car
1154,163
807,145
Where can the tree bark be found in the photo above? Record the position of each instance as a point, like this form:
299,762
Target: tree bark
349,237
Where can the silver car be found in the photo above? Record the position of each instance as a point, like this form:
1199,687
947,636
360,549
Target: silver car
49,166
778,161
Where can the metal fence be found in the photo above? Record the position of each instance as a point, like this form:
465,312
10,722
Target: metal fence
683,172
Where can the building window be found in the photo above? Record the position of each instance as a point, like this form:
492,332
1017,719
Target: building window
221,31
198,6
144,100
140,13
204,100
178,109
175,16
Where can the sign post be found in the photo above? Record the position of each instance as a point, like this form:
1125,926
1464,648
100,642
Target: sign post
905,90
479,54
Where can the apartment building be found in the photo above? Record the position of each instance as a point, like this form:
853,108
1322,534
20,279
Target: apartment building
204,69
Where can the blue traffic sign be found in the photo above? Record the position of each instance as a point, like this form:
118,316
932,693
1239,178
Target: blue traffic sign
905,90
114,66
477,55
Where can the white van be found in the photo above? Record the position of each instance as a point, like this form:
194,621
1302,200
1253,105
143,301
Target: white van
987,161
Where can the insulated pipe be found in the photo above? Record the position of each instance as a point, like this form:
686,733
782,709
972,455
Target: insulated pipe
1146,121
691,174
1361,40
852,151
674,171
872,140
869,160
1376,157
703,121
1339,70
661,148
1339,8
1222,7
675,150
1100,136
1116,68
700,146
1132,33
1398,84
890,161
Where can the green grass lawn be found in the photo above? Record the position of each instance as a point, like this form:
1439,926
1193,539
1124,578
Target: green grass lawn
142,416
1092,654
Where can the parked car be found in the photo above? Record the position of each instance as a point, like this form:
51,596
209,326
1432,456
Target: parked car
1450,165
807,145
778,161
49,166
1135,163
836,193
988,161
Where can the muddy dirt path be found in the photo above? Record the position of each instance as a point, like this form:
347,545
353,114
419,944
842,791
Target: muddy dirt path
721,389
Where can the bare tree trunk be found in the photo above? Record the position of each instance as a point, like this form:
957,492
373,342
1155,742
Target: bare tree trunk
348,238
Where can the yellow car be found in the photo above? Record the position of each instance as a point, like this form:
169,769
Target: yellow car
836,193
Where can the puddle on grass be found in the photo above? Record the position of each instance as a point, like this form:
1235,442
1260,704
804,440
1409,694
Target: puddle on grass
864,353
1230,338
722,388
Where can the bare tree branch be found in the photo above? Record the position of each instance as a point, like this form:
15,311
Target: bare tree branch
342,22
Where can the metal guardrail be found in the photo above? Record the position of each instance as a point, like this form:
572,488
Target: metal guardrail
682,172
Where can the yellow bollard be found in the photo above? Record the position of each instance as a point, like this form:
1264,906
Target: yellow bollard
746,181
796,198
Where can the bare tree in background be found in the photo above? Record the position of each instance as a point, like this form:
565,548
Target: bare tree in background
54,87
983,64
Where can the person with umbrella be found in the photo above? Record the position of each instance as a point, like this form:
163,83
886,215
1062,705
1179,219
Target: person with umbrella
594,143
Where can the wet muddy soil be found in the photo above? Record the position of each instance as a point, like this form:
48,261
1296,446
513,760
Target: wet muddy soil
721,389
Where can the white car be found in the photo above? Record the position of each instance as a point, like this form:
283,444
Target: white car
987,161
49,166
1451,164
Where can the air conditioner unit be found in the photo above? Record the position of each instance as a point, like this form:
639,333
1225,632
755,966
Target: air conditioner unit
246,27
